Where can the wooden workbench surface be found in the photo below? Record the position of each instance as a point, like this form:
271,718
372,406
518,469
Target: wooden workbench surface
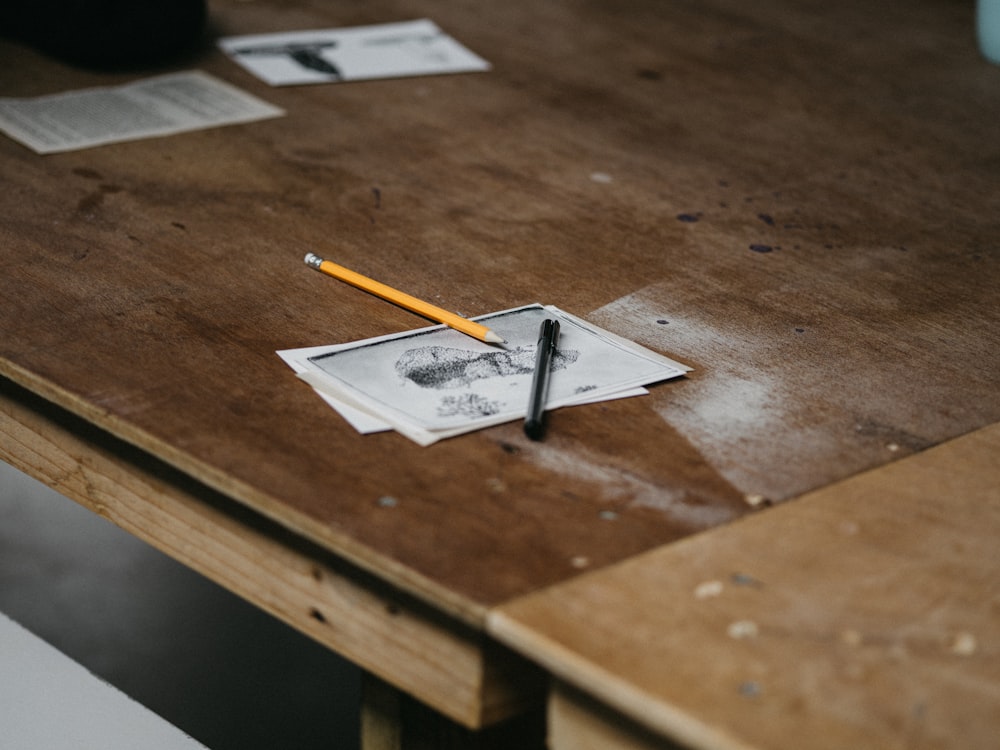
861,615
798,200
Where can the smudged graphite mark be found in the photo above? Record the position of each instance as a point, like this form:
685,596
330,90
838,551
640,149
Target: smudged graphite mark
761,248
90,202
750,689
688,218
884,433
742,579
767,219
378,197
649,75
442,367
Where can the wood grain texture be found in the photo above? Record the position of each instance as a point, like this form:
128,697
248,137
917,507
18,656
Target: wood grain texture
799,202
866,614
444,663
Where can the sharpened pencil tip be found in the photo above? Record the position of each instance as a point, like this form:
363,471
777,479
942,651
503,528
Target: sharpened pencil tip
493,338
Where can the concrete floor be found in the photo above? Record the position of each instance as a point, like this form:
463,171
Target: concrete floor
217,668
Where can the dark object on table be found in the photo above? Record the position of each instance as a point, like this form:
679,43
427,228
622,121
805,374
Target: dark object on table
548,337
307,54
105,33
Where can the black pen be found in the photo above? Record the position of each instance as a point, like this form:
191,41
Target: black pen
547,336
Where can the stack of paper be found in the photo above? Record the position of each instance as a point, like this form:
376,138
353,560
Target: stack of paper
434,383
193,100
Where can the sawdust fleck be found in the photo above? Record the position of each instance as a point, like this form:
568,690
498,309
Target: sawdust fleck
708,589
850,637
743,630
963,644
756,501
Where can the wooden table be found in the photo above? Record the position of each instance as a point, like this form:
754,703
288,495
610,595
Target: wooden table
798,200
861,615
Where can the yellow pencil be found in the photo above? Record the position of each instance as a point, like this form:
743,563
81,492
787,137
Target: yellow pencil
450,319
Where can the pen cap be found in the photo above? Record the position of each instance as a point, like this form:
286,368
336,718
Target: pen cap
548,331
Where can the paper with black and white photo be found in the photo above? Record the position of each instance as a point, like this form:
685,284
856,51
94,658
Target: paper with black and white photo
391,50
151,107
435,382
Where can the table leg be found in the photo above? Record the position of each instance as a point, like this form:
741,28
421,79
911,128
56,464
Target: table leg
450,664
392,720
578,722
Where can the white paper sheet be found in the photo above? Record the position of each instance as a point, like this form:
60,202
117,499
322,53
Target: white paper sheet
158,106
433,383
361,421
392,50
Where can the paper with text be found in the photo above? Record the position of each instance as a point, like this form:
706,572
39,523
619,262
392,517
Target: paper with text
158,106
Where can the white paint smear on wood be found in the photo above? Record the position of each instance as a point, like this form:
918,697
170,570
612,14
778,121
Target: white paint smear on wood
621,487
741,407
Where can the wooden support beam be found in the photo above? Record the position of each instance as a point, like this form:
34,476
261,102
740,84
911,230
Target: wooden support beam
448,665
